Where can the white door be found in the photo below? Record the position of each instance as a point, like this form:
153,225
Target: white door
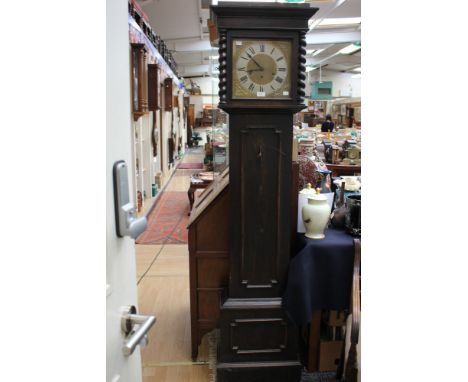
120,251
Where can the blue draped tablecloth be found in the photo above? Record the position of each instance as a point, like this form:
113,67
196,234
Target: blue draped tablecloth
320,275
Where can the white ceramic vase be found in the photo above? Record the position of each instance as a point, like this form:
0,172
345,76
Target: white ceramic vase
315,215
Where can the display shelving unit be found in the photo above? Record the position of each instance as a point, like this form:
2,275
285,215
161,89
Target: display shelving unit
146,166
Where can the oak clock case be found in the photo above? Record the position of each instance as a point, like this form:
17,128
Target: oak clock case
261,69
260,92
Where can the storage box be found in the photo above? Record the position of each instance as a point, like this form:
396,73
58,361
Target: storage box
159,180
330,352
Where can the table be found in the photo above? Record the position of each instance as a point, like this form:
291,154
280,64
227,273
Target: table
319,275
319,278
195,184
343,169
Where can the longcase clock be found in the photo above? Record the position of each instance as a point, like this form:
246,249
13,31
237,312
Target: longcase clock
262,73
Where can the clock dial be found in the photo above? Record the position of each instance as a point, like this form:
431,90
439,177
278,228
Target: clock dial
261,69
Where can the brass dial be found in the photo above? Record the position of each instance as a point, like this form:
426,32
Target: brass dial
261,69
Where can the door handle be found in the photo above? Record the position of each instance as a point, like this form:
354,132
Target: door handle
126,222
136,327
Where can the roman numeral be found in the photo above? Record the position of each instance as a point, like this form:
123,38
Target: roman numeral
248,55
261,88
272,51
271,86
252,50
251,87
243,78
241,69
245,58
281,69
279,59
278,79
262,48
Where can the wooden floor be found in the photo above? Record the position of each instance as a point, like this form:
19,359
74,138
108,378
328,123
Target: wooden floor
163,291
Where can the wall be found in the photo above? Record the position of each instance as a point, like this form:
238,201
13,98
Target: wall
142,148
208,85
343,86
209,93
343,83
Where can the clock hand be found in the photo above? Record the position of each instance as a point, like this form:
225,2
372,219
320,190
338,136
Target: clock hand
256,63
255,70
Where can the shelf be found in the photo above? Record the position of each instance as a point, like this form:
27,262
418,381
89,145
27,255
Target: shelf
160,60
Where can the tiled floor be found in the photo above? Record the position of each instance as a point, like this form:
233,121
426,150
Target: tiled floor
163,291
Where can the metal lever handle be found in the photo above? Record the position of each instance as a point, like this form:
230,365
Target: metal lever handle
127,224
144,325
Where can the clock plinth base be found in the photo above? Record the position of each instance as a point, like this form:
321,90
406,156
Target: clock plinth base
257,342
259,371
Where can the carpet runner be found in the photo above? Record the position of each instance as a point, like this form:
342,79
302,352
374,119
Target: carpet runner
190,166
167,222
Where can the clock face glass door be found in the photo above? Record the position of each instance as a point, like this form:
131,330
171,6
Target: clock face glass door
261,69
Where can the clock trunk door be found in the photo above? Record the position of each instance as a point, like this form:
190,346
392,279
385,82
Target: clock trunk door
260,183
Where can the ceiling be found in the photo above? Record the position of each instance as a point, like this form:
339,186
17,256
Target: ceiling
182,24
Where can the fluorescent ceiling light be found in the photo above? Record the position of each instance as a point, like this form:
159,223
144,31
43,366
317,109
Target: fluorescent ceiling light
313,24
350,48
310,68
341,21
214,57
318,52
214,2
316,22
310,51
357,69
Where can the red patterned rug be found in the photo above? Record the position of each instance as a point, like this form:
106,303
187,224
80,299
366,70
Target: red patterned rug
167,223
190,166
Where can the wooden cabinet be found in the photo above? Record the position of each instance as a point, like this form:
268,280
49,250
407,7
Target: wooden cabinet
191,116
207,118
209,253
209,257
